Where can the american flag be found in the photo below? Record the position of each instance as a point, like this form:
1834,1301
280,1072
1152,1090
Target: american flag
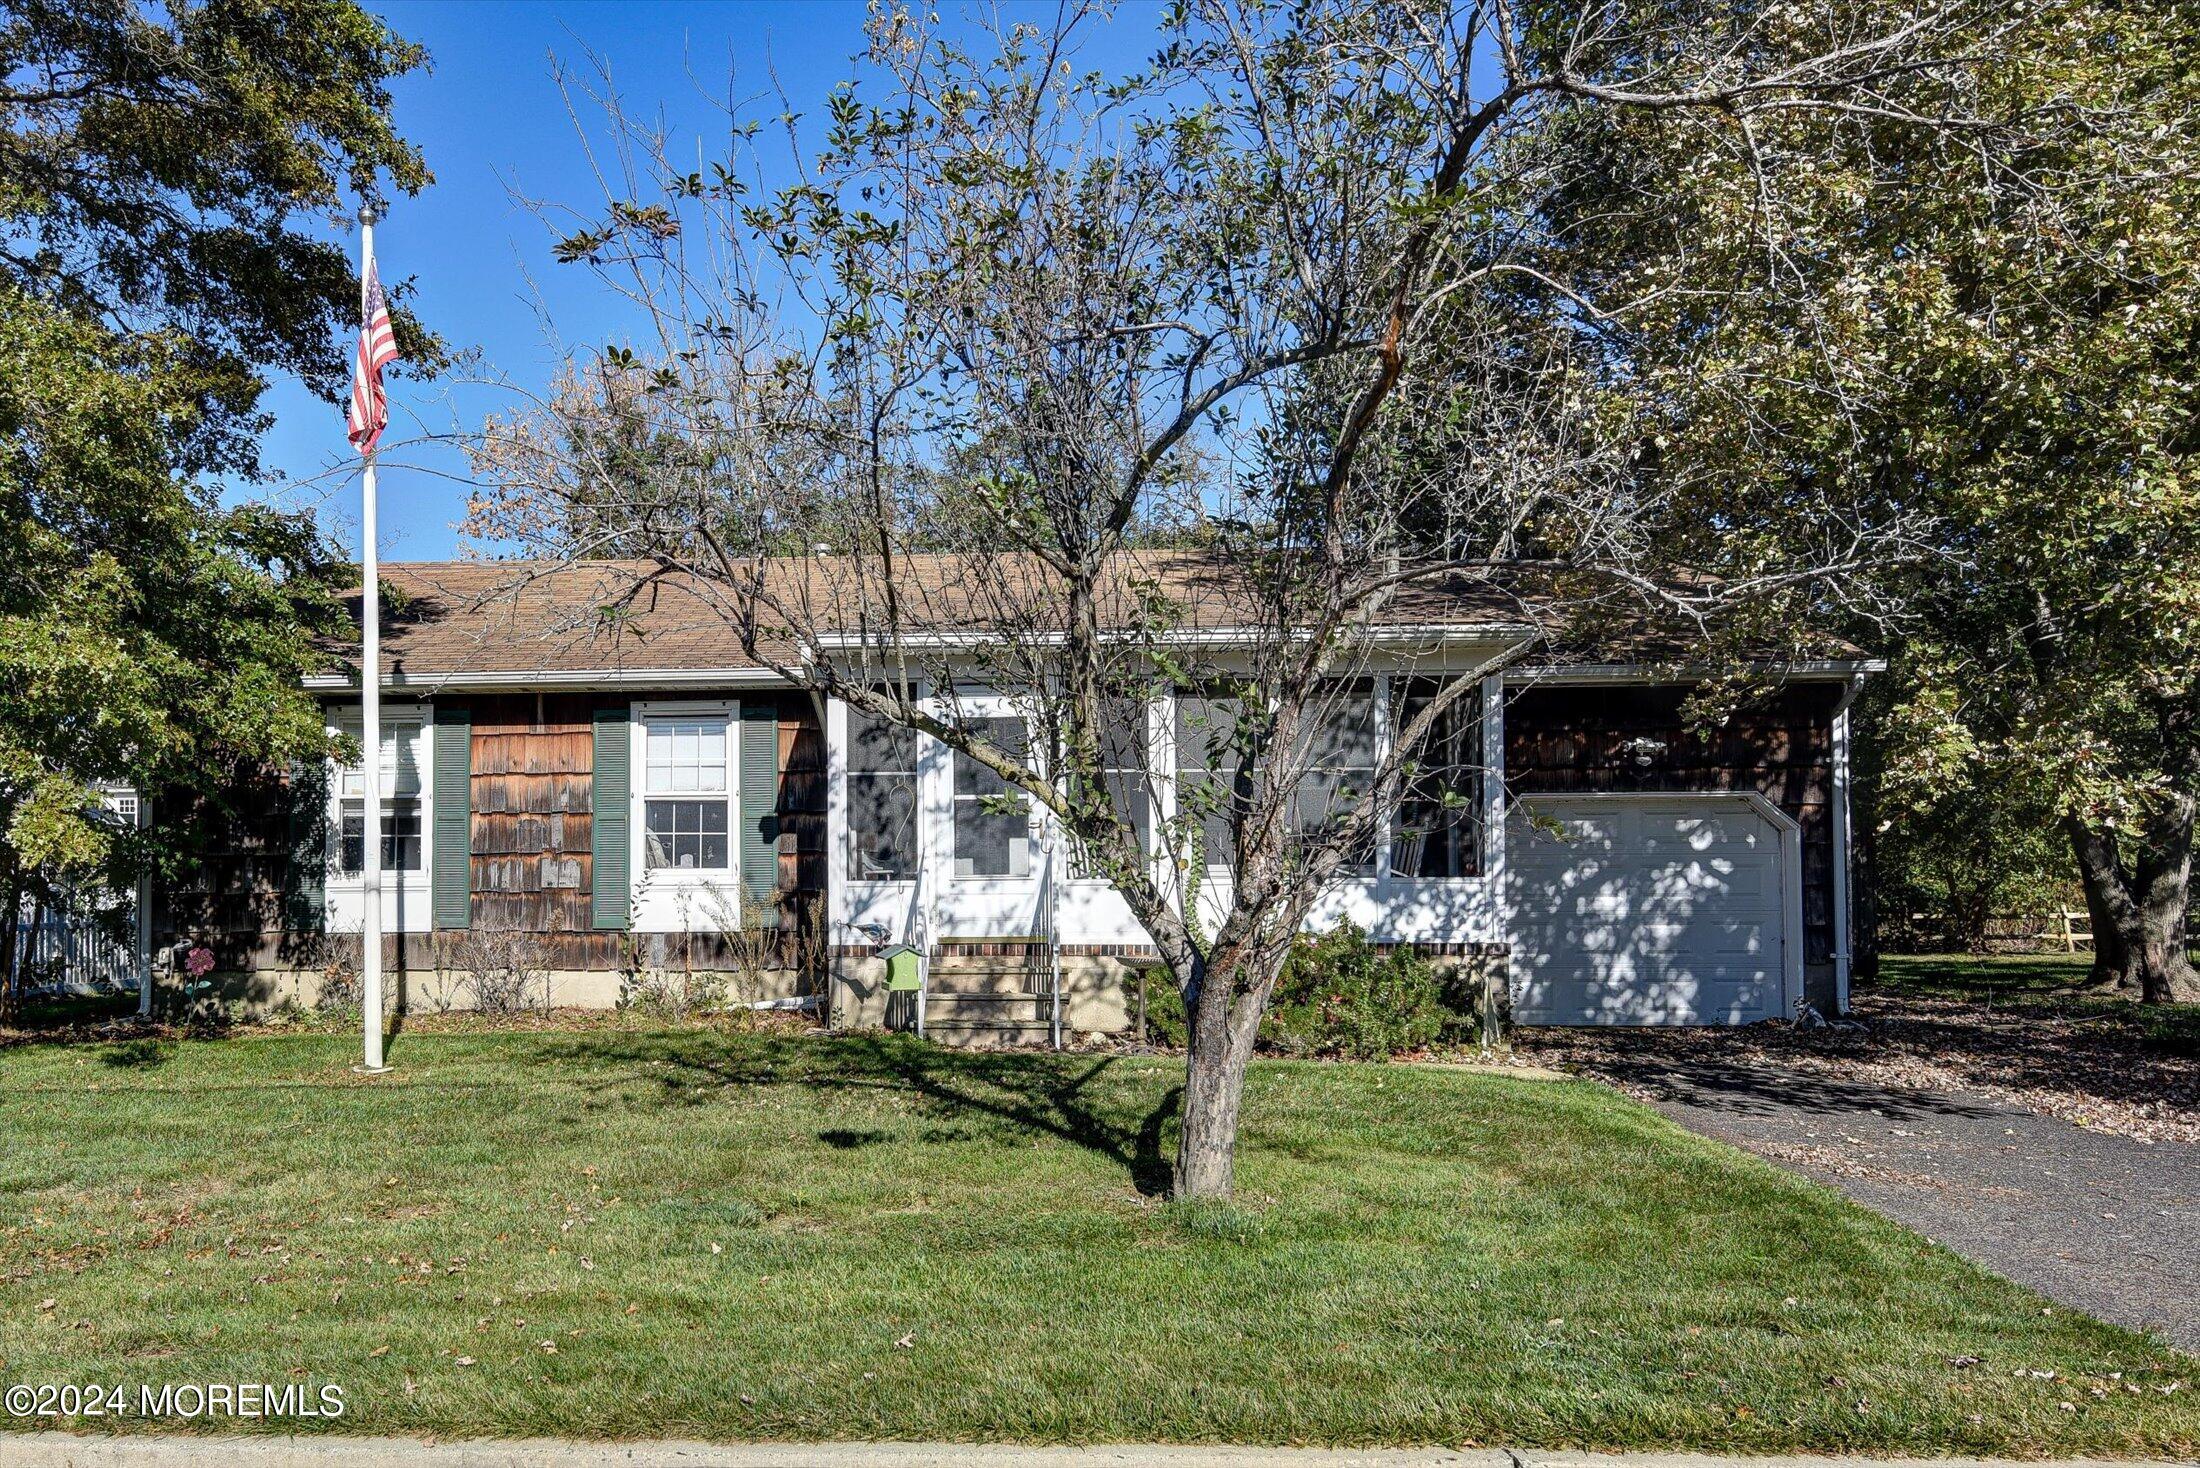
370,406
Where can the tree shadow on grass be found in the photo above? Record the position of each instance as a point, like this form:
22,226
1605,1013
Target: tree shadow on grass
1035,1093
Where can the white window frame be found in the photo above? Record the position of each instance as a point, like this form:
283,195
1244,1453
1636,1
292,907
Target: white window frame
348,720
685,711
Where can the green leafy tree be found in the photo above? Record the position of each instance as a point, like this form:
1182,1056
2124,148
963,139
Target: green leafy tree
1990,328
160,172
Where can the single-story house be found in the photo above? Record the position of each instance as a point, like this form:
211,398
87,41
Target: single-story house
635,803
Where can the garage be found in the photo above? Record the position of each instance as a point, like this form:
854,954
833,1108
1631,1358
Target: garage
1653,909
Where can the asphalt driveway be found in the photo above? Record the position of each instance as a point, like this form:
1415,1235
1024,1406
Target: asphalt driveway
2101,1223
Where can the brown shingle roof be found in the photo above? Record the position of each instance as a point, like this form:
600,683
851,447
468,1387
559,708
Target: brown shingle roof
455,618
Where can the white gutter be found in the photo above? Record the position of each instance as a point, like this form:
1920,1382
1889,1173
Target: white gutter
460,681
1598,673
464,682
1224,636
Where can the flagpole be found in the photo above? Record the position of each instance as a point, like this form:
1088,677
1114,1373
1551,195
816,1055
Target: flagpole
370,718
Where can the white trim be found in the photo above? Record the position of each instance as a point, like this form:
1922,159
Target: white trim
836,819
1594,673
639,795
461,681
1843,957
457,681
395,718
1385,822
1791,867
1251,637
1493,781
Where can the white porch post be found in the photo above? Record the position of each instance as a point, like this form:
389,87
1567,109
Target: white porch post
1839,814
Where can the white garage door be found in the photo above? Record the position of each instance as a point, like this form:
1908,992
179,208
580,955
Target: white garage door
1651,910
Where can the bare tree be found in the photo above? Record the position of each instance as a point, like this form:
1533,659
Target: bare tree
1202,380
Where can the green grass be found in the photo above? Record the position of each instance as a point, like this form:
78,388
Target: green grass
2052,984
743,1236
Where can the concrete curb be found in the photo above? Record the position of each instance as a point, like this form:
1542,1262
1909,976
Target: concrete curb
67,1450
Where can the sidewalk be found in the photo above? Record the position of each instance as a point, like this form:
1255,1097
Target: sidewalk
63,1450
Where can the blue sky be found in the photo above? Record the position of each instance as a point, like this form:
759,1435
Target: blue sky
490,119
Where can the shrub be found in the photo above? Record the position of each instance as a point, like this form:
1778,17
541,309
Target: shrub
1341,996
1165,1021
505,970
672,995
1338,996
341,991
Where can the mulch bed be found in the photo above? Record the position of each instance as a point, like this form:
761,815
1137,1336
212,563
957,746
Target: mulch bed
2095,1063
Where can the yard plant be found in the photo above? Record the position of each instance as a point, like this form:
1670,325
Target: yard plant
628,1231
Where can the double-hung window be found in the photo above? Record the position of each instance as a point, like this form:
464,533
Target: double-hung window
1438,829
403,749
687,791
882,799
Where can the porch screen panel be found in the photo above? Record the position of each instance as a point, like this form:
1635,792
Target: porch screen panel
1207,763
1125,774
882,799
1437,832
992,818
1337,766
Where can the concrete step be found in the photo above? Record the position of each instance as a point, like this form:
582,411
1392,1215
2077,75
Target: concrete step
946,1007
986,1037
1021,981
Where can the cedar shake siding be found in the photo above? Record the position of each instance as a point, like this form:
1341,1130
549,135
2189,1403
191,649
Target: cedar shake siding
1565,740
533,868
254,894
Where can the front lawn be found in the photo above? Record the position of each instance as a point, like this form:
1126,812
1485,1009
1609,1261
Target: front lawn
694,1233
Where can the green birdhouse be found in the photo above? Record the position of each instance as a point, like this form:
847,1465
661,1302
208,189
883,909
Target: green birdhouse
901,969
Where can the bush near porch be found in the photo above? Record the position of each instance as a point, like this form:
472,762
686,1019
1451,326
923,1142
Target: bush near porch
1341,997
619,1232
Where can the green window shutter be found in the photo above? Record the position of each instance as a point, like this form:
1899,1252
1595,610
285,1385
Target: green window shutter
451,850
759,843
612,821
305,866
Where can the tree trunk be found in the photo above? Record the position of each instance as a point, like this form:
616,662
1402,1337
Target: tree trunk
2161,889
2109,909
2139,918
1222,1028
